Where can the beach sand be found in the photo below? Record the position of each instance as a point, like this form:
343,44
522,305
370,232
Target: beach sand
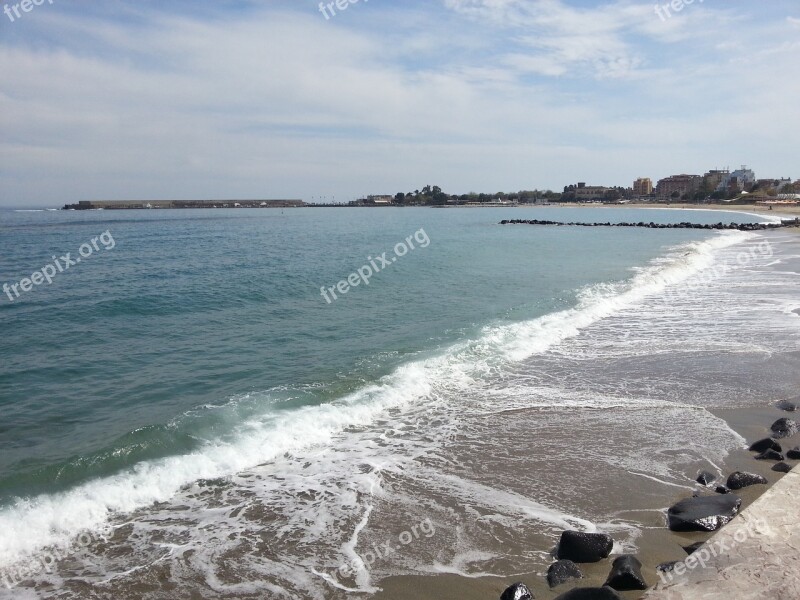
656,545
783,211
777,211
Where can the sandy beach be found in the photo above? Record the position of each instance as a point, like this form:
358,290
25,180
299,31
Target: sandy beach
787,211
655,546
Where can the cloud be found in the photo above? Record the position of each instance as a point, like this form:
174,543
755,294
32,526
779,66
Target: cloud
145,102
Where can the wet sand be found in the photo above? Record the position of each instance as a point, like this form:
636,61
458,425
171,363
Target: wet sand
792,211
782,210
656,545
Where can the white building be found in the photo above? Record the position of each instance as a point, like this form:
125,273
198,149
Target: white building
741,179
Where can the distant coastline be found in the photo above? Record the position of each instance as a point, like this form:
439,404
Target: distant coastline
785,209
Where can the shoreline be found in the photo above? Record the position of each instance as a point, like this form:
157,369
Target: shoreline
747,209
656,544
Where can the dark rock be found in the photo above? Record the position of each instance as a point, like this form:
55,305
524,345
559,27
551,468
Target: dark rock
626,574
783,428
603,593
770,455
793,454
787,406
561,572
741,480
705,478
707,513
518,591
766,444
782,467
721,489
584,547
666,567
691,549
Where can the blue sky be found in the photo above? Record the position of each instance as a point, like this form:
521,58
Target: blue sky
176,99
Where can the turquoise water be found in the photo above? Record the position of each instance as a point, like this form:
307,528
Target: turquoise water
198,345
101,367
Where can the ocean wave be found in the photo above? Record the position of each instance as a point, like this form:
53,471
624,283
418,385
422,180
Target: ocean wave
31,524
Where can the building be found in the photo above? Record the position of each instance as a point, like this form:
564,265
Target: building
714,178
587,193
643,187
738,181
776,184
684,185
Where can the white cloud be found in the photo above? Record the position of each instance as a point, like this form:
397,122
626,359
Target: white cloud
283,103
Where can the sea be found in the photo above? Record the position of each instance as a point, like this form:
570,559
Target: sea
302,403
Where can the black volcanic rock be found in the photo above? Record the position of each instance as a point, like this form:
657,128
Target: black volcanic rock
692,548
666,567
787,406
626,574
518,591
584,547
561,572
765,444
770,455
793,454
706,478
783,428
782,467
740,480
603,593
706,513
721,489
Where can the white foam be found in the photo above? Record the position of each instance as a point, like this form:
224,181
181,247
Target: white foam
52,520
522,340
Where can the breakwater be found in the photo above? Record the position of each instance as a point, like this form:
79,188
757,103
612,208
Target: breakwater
651,225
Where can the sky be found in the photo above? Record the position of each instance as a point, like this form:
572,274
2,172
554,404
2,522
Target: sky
159,99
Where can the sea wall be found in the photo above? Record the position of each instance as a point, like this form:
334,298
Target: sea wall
756,556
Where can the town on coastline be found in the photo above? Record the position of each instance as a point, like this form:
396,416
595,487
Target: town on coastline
717,186
738,187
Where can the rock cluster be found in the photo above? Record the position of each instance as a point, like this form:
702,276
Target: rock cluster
652,225
703,512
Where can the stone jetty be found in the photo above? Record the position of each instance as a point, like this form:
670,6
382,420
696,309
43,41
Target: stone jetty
652,225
